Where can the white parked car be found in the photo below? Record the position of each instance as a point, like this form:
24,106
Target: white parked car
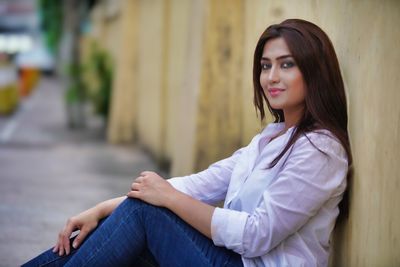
39,58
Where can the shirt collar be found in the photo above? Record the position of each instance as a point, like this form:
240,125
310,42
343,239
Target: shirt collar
273,129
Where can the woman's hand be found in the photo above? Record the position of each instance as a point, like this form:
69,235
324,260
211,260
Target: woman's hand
152,188
85,222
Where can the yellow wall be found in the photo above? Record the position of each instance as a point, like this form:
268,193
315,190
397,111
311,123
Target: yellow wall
191,96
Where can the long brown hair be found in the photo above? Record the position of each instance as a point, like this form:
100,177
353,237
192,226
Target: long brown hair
325,100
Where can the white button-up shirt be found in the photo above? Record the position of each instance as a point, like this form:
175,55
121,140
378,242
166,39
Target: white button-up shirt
280,216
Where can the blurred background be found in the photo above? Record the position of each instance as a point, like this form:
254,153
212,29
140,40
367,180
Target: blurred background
94,91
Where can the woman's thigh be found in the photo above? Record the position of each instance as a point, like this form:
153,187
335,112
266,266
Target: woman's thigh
175,243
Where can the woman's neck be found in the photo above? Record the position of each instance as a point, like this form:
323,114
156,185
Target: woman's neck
292,117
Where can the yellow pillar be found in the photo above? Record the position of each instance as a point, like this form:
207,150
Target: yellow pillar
220,100
151,59
123,109
176,67
186,102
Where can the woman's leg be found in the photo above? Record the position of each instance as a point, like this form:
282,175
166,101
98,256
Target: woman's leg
49,258
135,226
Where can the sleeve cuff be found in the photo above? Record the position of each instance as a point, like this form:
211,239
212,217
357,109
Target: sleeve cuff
178,184
227,227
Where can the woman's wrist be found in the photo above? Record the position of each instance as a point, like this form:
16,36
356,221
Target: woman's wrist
105,208
172,198
99,211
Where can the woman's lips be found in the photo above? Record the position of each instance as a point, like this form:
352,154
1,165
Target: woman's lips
275,91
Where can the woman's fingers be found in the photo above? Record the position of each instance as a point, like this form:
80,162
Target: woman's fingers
63,244
71,226
139,179
55,249
85,221
66,244
133,194
144,173
81,236
135,186
60,244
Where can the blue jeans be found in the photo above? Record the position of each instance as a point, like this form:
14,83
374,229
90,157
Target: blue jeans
139,234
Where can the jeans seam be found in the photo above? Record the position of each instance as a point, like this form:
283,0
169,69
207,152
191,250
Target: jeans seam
109,237
227,261
146,261
53,260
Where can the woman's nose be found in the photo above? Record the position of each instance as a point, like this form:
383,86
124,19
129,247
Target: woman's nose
273,75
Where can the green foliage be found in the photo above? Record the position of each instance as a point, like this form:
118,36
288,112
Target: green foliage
72,94
51,21
100,64
100,67
77,90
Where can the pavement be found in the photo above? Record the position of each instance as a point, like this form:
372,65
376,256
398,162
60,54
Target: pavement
49,172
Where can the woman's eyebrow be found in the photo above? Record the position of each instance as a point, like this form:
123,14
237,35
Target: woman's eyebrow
280,57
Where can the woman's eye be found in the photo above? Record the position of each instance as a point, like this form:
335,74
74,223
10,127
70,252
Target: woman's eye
287,64
265,66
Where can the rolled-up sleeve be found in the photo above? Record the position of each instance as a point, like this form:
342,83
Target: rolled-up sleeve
306,180
227,227
210,185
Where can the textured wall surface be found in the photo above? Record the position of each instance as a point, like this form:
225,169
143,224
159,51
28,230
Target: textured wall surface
193,100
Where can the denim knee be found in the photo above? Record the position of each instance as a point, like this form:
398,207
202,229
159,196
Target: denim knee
145,211
134,205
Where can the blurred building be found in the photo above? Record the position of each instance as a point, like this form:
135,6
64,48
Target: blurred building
19,25
21,35
18,35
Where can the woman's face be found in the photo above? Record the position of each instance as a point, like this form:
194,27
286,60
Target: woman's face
281,79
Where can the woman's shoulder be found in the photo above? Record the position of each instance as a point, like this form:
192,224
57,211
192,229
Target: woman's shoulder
323,140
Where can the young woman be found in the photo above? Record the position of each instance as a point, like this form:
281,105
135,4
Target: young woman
281,191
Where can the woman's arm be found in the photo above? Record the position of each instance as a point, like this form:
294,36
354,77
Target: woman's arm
192,211
106,207
189,197
209,186
153,189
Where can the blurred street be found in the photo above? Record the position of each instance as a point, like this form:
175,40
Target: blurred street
49,173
